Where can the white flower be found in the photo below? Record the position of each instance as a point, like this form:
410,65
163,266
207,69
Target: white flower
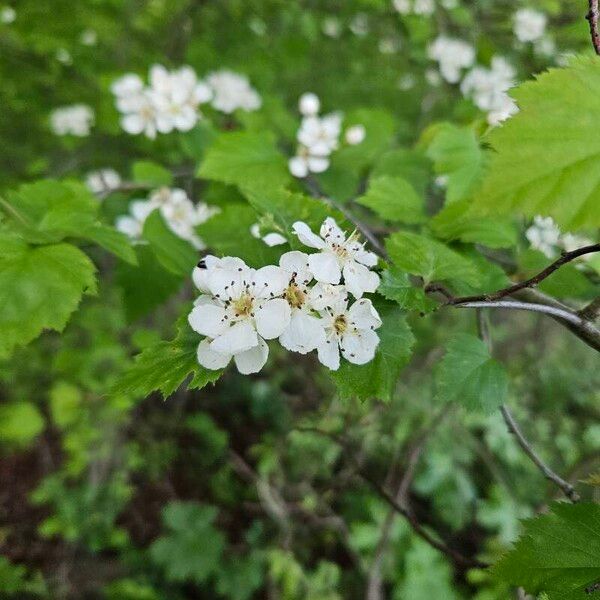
88,37
320,134
304,163
417,7
305,331
140,116
132,224
8,15
232,91
64,56
350,331
103,181
432,77
389,45
488,89
309,104
339,257
331,27
452,55
243,308
570,242
545,46
544,235
271,239
326,295
529,25
355,134
359,25
74,120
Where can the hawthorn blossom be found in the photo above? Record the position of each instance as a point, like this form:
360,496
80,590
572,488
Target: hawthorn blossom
8,15
339,257
232,91
452,55
305,331
304,163
74,120
271,239
102,181
320,134
529,25
544,235
331,27
244,307
309,104
416,7
132,224
350,331
355,135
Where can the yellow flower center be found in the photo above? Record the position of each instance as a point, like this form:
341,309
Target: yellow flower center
243,306
295,296
340,324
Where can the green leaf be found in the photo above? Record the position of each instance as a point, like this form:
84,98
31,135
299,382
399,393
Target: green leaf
469,375
228,234
20,423
49,211
151,174
432,260
192,548
558,553
65,404
248,159
456,153
395,285
411,165
456,222
165,366
39,288
394,199
378,378
546,156
176,255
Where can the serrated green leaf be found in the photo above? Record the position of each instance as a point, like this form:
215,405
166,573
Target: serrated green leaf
39,289
411,165
165,366
112,240
394,199
192,548
469,375
151,174
248,159
176,255
558,553
395,285
546,155
456,154
456,222
432,260
378,378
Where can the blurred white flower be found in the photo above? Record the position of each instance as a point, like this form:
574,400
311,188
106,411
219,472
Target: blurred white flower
64,56
89,37
570,242
309,104
74,120
320,134
271,239
359,25
103,180
415,7
529,24
132,224
331,27
232,91
544,235
452,55
355,135
8,15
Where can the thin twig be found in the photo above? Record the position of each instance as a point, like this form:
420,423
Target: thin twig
593,17
317,192
532,282
126,186
565,486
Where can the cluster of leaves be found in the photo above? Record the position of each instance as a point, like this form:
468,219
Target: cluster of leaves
251,484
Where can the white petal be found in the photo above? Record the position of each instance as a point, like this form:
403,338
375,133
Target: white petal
306,236
200,278
329,354
298,166
272,318
208,319
274,239
362,315
253,360
269,281
210,359
332,232
318,164
358,279
324,295
325,267
238,338
359,347
303,334
129,226
296,264
133,124
229,282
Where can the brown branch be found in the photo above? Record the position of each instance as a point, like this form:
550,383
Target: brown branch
593,17
532,282
567,489
591,312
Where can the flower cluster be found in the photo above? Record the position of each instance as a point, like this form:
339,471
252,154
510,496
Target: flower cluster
453,56
414,7
529,25
303,301
318,137
181,215
103,181
488,89
545,236
172,99
74,120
